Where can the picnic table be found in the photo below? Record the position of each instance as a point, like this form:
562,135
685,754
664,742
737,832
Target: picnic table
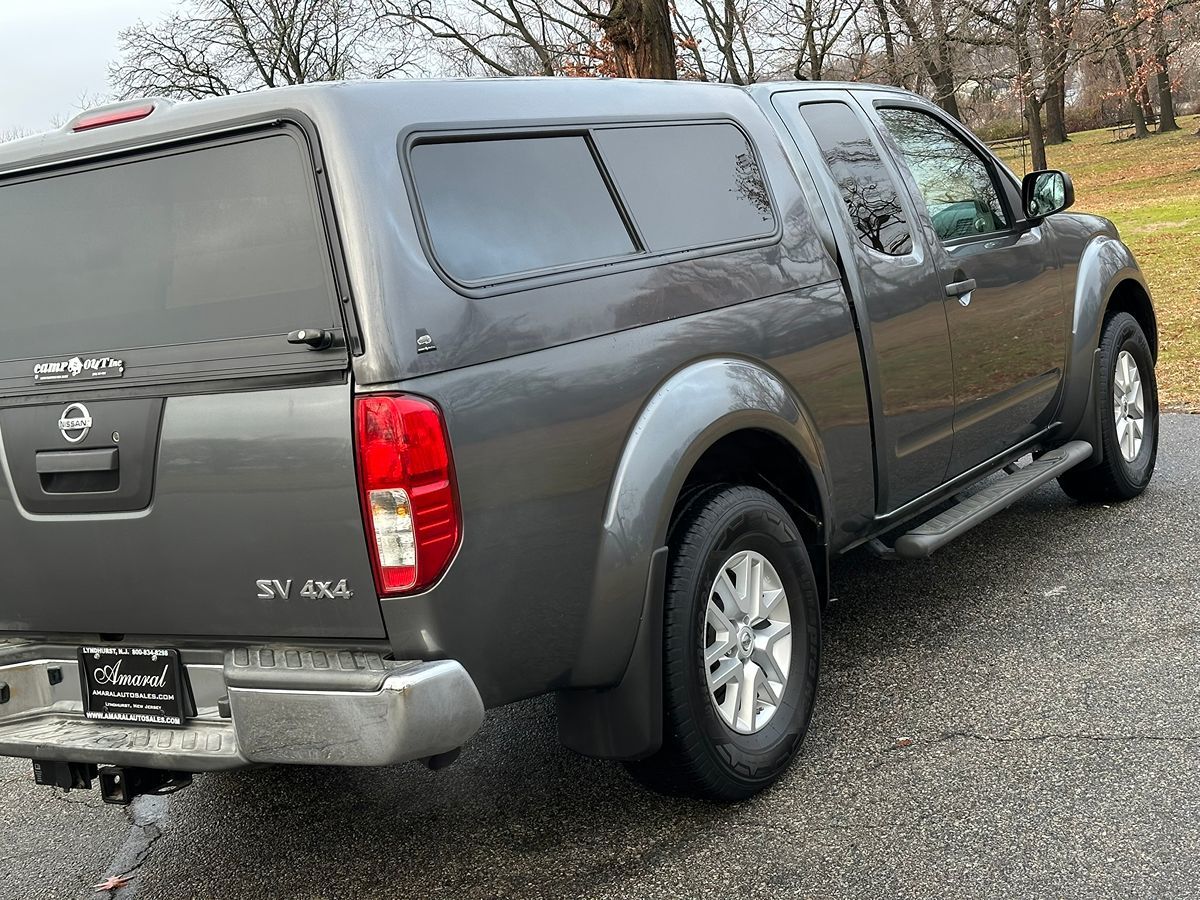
1118,130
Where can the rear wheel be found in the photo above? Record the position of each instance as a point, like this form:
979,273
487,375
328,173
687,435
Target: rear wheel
741,648
1128,394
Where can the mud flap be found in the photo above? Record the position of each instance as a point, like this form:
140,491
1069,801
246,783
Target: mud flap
624,721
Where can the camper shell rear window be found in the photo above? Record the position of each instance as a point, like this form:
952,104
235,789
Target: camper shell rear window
219,247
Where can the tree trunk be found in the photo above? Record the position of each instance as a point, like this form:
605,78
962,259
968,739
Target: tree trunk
1033,106
889,41
1037,138
641,37
947,90
934,53
1143,84
1053,65
1128,72
943,80
1062,103
1162,52
1056,120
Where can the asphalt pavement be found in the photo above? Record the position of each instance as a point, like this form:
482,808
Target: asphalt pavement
1016,717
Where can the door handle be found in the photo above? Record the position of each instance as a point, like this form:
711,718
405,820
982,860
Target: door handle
958,288
64,462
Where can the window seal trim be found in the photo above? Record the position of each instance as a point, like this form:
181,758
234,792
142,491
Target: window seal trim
642,258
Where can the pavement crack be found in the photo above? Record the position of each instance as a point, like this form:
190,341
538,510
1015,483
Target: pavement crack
1103,737
148,817
83,800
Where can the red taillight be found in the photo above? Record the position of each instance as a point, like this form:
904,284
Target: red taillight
99,119
407,485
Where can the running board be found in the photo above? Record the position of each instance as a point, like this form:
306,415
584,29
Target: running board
969,512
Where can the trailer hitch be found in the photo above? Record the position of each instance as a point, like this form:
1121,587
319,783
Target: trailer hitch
120,786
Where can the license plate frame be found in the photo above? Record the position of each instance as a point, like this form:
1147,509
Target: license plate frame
132,685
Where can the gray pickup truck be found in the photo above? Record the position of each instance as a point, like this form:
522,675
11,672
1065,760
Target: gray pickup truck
331,416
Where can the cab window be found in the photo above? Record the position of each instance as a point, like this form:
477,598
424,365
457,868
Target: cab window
866,187
956,183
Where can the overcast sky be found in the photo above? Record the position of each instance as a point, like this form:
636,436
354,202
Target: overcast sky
51,51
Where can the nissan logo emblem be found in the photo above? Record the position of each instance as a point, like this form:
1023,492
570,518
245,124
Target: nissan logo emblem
75,423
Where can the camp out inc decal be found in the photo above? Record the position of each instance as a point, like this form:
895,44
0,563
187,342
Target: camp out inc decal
78,368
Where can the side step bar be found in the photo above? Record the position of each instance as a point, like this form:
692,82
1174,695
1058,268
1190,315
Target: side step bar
965,515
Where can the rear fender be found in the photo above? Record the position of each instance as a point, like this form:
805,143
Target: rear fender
622,716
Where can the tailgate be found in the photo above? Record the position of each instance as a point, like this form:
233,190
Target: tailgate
172,464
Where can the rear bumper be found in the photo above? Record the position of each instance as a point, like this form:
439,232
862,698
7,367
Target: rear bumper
262,705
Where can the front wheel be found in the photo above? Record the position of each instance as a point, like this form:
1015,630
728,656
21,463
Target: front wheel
741,648
1128,394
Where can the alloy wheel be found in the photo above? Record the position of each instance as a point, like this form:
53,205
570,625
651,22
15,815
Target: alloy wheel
747,641
1128,406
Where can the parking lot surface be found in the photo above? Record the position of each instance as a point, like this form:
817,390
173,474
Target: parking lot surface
1016,717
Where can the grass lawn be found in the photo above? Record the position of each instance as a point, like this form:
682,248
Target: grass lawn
1151,190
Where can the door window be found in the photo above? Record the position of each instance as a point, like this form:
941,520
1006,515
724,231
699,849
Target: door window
865,185
956,183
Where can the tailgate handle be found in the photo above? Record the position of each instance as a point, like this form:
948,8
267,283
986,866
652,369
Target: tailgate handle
62,462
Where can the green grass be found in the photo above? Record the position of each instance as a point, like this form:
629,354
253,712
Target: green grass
1151,189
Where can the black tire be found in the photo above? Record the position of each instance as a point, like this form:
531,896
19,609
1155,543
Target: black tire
701,755
1116,478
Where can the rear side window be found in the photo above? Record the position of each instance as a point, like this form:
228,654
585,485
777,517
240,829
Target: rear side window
204,245
866,187
688,185
503,207
499,207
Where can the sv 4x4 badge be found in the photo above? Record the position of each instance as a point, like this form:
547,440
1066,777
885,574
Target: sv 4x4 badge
273,589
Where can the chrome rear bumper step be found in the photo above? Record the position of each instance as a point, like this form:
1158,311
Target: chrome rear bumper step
923,540
198,747
284,705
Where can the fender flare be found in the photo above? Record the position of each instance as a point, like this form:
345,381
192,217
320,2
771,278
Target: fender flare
1105,263
618,714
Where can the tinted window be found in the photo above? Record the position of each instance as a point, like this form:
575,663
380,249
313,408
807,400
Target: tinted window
955,182
688,185
866,187
210,244
498,207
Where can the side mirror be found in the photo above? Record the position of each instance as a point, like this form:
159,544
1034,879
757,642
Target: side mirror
1046,192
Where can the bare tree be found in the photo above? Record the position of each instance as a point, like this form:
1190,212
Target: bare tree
505,37
212,47
1119,31
623,38
641,37
1157,14
933,29
725,40
1005,60
13,133
820,27
1056,24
